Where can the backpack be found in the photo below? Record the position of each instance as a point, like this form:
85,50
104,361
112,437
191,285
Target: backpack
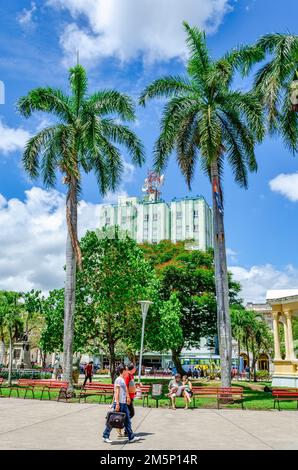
115,419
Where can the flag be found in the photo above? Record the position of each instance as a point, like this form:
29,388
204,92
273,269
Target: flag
217,196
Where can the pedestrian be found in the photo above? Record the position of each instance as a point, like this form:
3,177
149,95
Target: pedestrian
175,390
121,399
131,392
88,372
56,367
131,387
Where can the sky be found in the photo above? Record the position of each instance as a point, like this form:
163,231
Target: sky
125,44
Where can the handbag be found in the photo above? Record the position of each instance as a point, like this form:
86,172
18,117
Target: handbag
116,419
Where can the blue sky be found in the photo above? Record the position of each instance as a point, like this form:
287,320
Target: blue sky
125,44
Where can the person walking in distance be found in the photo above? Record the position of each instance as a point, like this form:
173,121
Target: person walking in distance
120,404
88,372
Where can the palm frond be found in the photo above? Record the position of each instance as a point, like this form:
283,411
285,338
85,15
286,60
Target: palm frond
79,85
34,149
199,60
166,87
122,135
47,100
107,102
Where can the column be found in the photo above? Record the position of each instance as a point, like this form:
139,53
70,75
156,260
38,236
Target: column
284,322
276,336
288,317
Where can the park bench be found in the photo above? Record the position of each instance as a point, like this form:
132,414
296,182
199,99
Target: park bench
23,384
97,388
142,391
1,384
47,386
284,394
221,394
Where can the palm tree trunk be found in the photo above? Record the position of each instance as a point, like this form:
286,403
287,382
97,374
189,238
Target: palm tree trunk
70,281
10,359
221,281
2,351
248,358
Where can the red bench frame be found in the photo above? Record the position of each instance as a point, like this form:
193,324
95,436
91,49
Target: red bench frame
219,393
284,394
97,388
47,385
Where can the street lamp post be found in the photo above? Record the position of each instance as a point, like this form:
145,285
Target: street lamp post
144,306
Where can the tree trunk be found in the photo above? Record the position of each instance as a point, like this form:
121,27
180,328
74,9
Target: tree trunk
177,361
112,359
2,351
238,359
221,280
247,352
70,282
10,360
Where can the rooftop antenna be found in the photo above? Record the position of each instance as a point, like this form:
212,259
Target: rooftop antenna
78,57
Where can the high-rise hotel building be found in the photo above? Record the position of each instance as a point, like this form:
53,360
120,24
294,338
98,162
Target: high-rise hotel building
151,221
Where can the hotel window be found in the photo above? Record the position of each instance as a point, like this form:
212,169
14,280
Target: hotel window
187,228
108,220
196,213
179,215
123,220
196,228
146,217
155,217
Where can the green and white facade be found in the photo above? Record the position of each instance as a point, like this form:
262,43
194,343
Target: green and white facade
153,221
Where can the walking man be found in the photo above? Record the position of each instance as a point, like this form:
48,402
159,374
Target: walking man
88,372
120,404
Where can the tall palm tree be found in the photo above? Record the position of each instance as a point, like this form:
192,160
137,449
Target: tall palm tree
205,119
82,139
276,82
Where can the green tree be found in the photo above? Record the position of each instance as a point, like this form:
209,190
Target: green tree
190,276
251,332
205,118
82,139
115,277
11,321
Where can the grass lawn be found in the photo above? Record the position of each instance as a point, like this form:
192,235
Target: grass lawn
254,396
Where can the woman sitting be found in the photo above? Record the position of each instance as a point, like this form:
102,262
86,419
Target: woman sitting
187,390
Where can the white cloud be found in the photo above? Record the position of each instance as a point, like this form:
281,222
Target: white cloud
232,255
256,280
25,18
32,239
286,184
127,28
12,139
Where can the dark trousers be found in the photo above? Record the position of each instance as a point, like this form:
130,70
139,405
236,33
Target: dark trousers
123,409
131,409
86,378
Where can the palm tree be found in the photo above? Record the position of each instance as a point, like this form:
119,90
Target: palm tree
82,139
276,82
204,118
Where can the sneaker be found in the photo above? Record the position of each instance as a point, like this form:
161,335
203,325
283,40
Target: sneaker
135,439
107,440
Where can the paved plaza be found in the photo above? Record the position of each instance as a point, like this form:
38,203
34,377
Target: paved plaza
34,424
